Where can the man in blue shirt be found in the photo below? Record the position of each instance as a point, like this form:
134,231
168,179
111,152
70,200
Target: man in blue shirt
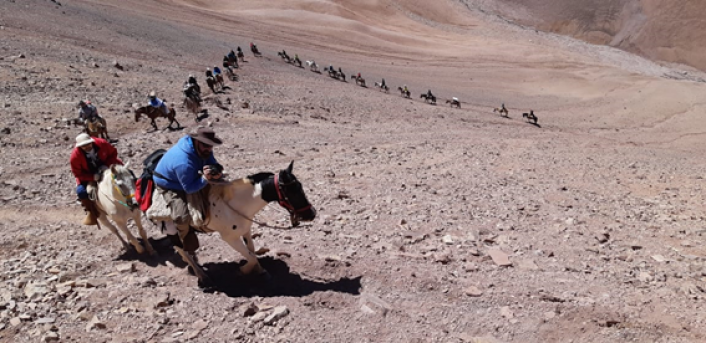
186,168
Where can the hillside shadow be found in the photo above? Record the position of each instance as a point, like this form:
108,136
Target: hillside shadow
163,248
226,278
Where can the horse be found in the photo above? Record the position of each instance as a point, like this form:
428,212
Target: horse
284,56
232,61
115,200
231,75
193,105
341,76
153,113
233,205
312,66
212,84
404,93
255,51
358,80
96,127
241,56
429,98
297,62
530,116
453,102
502,110
219,81
332,73
381,87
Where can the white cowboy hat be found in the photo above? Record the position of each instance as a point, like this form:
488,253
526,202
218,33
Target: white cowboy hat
83,139
152,94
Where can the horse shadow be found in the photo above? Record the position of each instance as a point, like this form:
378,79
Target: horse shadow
225,87
204,114
535,124
227,279
164,253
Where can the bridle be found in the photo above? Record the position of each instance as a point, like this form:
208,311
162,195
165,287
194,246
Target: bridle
126,197
284,201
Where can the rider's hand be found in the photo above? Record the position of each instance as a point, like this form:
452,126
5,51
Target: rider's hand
210,174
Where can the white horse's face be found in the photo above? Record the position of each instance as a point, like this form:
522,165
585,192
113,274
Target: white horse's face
124,181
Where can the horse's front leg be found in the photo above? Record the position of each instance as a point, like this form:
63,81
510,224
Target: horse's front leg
122,224
235,240
143,234
104,222
154,124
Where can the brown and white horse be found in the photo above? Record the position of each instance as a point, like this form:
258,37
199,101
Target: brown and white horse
502,110
96,127
454,102
233,206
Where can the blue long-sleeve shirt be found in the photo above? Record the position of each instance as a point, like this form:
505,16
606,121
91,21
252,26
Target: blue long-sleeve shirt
180,165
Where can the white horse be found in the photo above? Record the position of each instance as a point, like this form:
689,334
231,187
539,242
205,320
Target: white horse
312,66
233,205
115,199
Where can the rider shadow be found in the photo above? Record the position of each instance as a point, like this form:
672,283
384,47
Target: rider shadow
165,253
227,279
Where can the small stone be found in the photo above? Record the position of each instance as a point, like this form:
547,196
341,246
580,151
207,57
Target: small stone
248,310
46,320
278,313
473,291
549,315
258,317
95,323
499,257
126,267
51,337
658,258
506,312
645,277
448,240
16,321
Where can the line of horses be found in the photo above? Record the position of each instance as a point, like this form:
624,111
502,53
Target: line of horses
404,92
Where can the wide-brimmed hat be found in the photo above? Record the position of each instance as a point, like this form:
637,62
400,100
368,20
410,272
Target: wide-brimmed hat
152,94
83,139
207,136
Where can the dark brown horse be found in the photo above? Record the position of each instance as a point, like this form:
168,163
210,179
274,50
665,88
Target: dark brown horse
153,113
454,102
430,99
531,117
405,93
358,80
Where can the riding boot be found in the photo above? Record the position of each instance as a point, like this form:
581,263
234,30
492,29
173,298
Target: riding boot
90,207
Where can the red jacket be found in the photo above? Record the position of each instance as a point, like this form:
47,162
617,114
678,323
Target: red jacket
79,166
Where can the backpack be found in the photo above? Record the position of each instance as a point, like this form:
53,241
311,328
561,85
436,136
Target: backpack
145,184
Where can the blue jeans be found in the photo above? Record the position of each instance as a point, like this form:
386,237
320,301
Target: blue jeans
82,191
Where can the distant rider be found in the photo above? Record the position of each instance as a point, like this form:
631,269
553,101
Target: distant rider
157,102
87,111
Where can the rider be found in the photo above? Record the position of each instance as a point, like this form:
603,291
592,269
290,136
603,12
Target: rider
90,157
209,73
87,111
383,85
296,58
240,51
186,168
157,102
405,89
429,95
216,71
358,76
192,88
231,54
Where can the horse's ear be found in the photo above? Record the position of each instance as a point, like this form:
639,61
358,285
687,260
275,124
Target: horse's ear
291,166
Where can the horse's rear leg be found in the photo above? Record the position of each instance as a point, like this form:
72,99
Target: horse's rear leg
236,241
103,221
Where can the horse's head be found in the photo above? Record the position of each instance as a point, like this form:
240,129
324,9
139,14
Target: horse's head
123,181
291,196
